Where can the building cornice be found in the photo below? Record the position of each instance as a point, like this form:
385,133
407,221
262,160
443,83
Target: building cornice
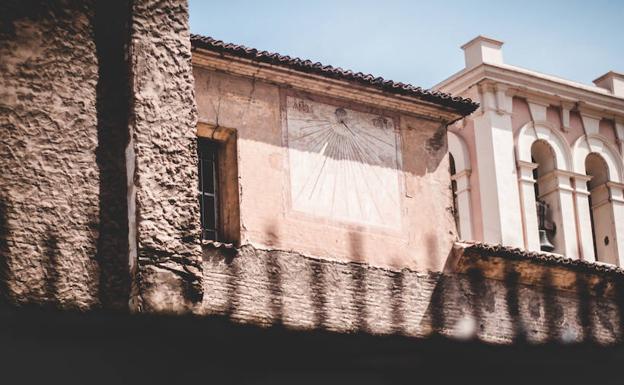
334,88
538,87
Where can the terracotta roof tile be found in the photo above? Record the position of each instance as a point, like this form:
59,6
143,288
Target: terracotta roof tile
486,249
460,105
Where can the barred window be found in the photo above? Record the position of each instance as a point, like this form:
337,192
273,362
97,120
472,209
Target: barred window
208,188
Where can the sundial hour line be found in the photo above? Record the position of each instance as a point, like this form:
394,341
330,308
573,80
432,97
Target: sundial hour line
374,137
309,120
319,130
314,126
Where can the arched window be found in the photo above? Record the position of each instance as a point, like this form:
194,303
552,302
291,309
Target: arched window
546,197
600,200
453,172
459,169
600,212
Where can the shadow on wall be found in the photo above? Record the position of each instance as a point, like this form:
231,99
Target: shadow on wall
112,104
285,288
4,250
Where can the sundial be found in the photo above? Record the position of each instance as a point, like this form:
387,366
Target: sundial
343,163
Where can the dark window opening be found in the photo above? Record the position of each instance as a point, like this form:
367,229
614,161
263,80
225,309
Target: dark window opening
208,189
453,171
591,221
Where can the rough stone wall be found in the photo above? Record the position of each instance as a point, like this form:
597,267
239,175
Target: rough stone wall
276,287
67,158
163,135
48,137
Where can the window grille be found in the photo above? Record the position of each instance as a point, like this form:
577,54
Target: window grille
208,188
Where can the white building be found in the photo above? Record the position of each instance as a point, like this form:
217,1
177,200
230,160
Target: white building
538,138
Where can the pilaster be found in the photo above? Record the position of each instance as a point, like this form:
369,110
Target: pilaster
583,220
496,165
557,191
616,194
529,212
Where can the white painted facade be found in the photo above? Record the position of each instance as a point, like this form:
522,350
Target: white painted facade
535,138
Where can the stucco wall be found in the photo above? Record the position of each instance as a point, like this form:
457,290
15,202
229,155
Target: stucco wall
257,111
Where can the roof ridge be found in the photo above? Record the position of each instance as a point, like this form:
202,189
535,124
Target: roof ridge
463,106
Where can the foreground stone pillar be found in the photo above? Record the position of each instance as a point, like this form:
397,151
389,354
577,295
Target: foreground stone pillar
163,153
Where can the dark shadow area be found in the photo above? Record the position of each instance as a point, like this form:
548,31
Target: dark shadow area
72,348
619,303
479,300
111,22
584,307
553,310
319,295
274,275
4,250
232,283
435,313
398,319
51,266
358,272
512,297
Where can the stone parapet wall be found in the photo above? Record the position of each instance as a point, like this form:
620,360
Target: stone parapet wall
270,287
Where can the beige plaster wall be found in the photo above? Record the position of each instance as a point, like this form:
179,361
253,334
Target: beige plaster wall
257,110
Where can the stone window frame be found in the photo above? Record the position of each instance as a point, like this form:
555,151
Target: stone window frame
228,215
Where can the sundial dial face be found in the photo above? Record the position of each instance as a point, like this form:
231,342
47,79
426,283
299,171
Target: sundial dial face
343,163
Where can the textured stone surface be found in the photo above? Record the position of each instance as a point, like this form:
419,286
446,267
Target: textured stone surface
164,146
277,287
48,138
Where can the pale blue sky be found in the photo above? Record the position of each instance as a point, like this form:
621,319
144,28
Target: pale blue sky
418,41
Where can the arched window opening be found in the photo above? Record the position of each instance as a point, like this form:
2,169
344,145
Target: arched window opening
599,208
546,197
453,172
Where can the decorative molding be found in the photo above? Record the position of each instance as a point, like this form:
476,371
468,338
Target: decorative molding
537,110
565,108
538,87
546,131
591,123
583,146
525,171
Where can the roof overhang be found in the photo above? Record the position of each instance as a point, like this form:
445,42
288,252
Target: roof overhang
329,81
530,84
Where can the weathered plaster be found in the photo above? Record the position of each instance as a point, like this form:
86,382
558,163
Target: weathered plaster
257,111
